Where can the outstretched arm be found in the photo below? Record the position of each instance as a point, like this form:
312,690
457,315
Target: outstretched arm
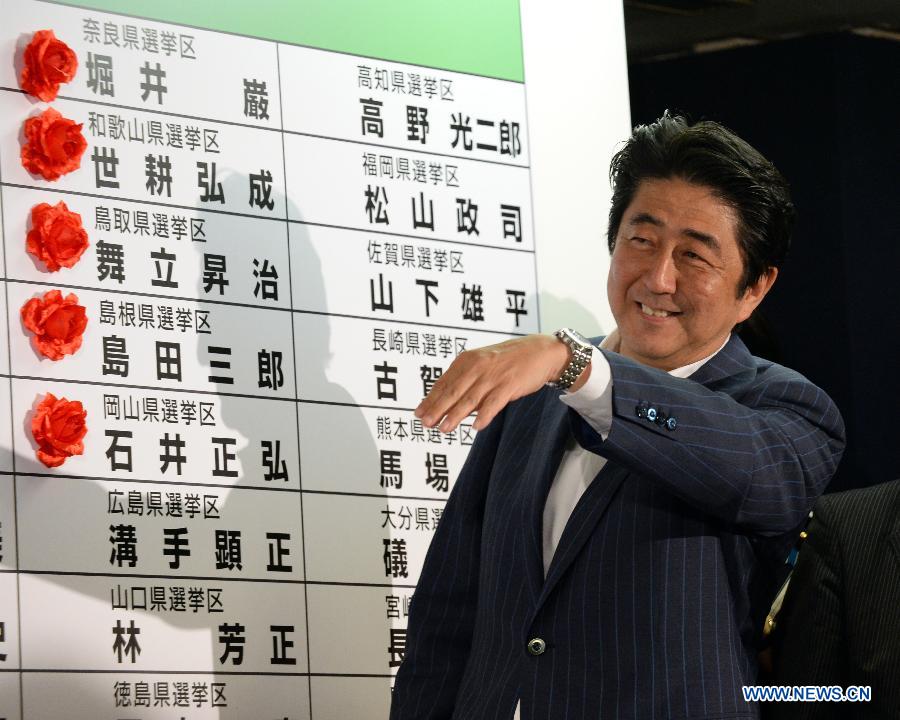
757,460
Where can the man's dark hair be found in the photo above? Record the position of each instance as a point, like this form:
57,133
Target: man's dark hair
709,154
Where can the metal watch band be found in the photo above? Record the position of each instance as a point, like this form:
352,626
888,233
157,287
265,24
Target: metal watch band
581,357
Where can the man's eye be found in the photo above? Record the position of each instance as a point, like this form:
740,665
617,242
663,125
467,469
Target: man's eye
691,255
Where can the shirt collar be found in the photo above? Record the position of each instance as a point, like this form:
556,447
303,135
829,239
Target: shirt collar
611,342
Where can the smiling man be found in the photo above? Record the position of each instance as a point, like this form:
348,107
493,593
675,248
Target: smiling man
676,284
609,547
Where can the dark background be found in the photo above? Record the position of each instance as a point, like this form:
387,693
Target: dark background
814,87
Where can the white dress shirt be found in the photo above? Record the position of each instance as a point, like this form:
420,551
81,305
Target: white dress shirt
579,467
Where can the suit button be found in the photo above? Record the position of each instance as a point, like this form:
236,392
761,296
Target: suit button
536,646
651,414
671,424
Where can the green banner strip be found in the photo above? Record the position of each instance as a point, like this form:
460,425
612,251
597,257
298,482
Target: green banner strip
475,36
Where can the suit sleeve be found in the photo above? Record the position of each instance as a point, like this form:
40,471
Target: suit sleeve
442,612
809,645
757,461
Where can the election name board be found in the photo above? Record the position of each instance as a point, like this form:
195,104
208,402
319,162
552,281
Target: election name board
231,269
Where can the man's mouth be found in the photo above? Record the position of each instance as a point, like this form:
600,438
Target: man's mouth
657,312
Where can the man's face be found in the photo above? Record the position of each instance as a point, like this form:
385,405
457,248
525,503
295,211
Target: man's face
674,274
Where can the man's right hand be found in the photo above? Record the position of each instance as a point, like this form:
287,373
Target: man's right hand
485,380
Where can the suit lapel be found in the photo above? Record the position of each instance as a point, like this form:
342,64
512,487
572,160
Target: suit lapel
587,513
546,454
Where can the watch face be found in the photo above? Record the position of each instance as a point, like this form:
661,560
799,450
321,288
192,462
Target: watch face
577,338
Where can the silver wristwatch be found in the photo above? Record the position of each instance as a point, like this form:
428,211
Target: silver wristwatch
581,357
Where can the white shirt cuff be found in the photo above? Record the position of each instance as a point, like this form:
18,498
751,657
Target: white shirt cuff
593,400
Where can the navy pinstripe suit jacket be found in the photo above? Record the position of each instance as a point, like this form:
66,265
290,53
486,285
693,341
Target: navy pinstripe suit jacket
653,604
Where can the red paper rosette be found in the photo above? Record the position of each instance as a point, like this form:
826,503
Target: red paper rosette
53,145
48,62
58,427
57,323
57,237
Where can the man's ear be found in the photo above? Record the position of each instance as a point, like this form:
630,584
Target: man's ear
754,294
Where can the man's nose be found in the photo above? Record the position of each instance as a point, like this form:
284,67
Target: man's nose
660,276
